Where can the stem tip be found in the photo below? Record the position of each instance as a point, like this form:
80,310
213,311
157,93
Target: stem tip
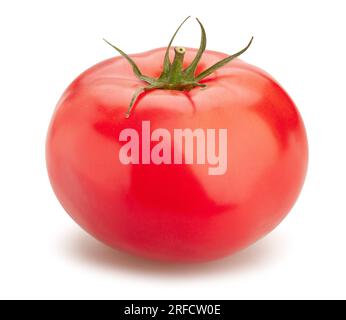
180,50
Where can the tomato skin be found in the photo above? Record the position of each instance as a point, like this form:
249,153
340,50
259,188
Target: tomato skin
177,212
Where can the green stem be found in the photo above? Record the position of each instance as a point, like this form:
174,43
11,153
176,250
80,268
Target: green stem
176,71
173,76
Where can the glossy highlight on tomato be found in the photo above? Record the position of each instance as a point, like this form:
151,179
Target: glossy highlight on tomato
177,212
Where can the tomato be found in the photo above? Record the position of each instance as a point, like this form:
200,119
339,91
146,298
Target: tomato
176,211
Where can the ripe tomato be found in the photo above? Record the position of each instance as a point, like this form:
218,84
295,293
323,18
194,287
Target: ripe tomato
177,212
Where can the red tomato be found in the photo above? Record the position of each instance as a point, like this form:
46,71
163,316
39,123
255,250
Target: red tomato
177,212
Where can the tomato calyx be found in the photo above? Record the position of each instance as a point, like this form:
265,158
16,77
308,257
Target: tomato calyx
173,76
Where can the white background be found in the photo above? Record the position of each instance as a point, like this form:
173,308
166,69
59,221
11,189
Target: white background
44,45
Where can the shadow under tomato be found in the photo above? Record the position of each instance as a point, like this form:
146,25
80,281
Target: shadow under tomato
83,249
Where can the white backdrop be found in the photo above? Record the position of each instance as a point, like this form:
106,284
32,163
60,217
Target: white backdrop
44,45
